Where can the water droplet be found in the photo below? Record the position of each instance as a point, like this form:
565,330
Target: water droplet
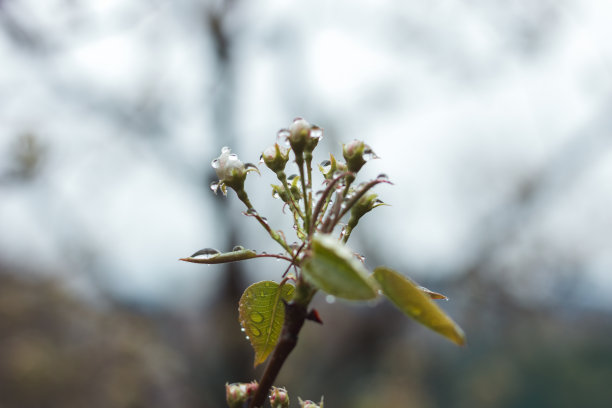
275,194
338,173
214,186
257,317
206,253
330,299
316,132
382,176
325,166
291,177
251,211
261,159
368,154
282,137
215,163
247,337
242,329
232,157
238,248
225,149
254,331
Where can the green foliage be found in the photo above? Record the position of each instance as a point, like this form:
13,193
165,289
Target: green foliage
262,315
320,261
334,269
212,256
416,303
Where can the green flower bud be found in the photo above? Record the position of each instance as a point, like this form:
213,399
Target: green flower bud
364,205
356,154
279,398
275,157
303,136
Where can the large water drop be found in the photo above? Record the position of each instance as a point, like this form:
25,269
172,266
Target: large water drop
206,253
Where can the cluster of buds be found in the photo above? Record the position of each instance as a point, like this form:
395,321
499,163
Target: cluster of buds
315,214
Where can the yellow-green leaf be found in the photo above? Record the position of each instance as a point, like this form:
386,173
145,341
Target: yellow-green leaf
333,269
262,313
411,300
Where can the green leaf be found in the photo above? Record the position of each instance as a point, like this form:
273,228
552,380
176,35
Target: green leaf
333,269
411,300
212,256
262,314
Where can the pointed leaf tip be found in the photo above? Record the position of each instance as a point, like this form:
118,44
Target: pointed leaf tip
416,303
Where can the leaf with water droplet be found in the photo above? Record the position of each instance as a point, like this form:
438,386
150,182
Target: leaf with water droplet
262,314
213,256
333,269
414,302
206,252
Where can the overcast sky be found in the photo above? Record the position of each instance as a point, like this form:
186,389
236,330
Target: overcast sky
465,102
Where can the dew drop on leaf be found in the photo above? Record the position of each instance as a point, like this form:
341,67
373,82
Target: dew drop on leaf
256,317
254,331
206,253
225,149
238,248
382,176
215,163
214,186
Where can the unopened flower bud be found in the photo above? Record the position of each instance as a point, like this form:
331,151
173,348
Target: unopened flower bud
299,135
279,398
275,157
356,153
237,394
310,404
231,171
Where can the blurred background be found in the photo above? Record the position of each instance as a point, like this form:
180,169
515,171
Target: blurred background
492,118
